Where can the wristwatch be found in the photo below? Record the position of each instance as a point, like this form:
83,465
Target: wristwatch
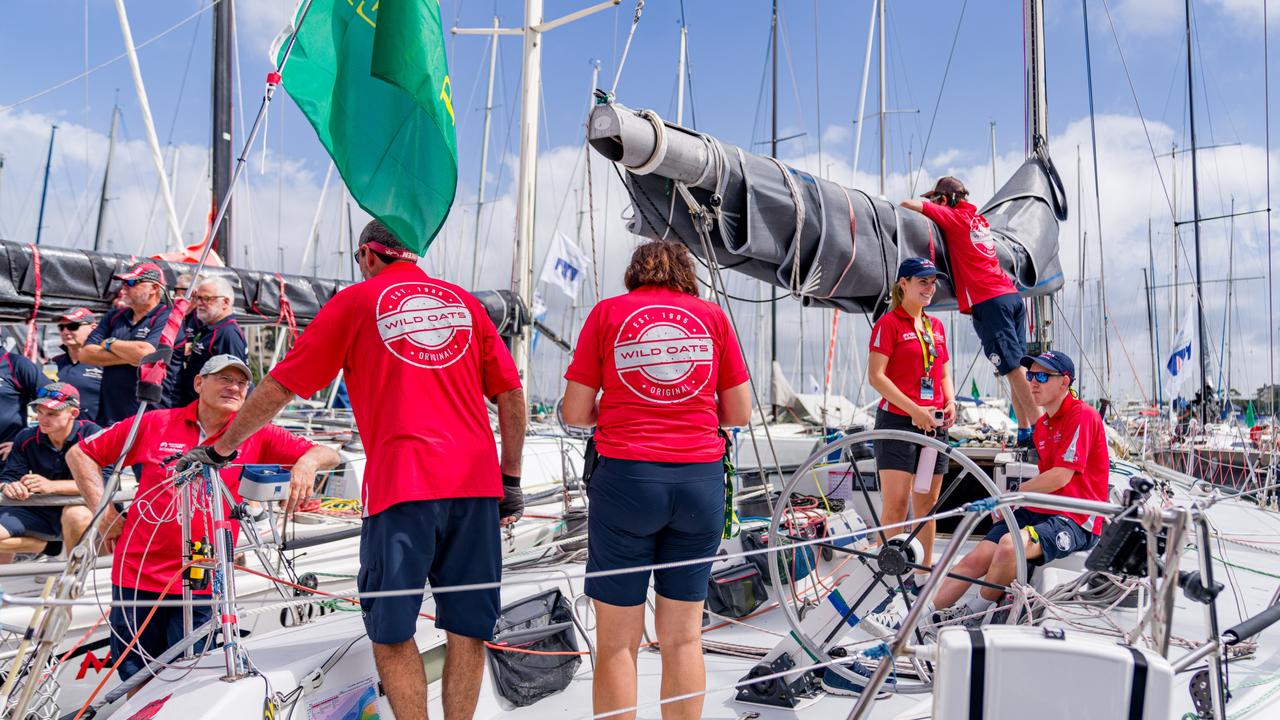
106,344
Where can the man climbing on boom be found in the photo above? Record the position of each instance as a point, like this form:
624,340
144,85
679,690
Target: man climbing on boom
983,290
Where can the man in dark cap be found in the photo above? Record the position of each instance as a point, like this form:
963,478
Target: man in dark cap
983,290
1073,462
124,337
73,330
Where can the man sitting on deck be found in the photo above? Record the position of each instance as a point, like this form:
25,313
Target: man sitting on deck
1074,462
37,466
148,555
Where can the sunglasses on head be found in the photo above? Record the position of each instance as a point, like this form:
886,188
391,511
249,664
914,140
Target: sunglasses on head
1041,376
70,326
58,395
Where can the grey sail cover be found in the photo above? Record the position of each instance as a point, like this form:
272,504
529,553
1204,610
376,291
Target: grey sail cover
832,246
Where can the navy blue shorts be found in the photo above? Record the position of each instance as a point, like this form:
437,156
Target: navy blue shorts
41,523
1001,324
442,542
1058,536
163,632
646,513
900,454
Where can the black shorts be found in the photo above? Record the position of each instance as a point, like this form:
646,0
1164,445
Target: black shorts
648,513
900,454
1057,535
444,542
1001,324
39,522
161,633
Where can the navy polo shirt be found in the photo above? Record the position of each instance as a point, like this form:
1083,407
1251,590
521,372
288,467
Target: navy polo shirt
203,342
83,377
34,453
118,398
19,380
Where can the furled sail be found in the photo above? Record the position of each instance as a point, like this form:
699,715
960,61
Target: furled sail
828,245
66,278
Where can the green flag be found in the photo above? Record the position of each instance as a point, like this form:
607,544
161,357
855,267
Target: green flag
371,77
974,392
1249,418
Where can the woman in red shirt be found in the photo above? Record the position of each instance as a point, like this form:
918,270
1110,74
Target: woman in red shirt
669,373
909,366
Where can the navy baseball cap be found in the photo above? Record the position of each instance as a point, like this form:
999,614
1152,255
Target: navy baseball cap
918,267
1054,360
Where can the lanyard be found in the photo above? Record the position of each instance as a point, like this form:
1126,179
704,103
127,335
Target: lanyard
927,348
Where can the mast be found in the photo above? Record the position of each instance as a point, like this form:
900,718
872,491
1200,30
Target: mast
1080,243
1037,136
862,91
1195,225
484,155
1157,387
773,152
880,50
680,69
995,184
1151,337
1225,381
106,180
223,47
44,191
526,178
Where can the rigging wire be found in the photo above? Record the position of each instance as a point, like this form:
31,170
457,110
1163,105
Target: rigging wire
924,152
1097,196
99,66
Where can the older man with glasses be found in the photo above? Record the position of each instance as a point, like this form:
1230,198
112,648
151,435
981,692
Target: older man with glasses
73,330
124,337
214,331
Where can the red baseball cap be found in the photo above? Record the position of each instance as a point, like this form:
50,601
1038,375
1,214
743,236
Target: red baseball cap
76,315
57,396
145,271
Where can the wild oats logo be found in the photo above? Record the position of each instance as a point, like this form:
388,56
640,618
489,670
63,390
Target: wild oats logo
424,324
664,354
980,235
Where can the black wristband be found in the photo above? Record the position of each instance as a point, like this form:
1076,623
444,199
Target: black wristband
510,480
215,456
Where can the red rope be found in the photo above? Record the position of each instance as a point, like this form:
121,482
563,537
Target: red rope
286,310
29,347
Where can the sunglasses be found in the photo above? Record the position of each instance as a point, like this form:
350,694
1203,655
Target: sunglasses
132,283
358,254
58,395
1039,376
207,299
70,327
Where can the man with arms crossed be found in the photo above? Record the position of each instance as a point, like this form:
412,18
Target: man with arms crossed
420,356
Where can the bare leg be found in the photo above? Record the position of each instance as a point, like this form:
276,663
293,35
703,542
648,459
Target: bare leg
618,631
75,521
921,504
679,626
1004,566
895,497
400,668
1023,405
10,545
463,671
973,565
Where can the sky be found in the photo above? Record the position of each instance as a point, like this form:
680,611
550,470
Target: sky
944,103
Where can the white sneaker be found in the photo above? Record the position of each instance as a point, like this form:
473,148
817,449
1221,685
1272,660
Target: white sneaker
960,616
884,624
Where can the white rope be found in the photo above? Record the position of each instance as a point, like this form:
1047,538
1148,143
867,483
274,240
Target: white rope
659,146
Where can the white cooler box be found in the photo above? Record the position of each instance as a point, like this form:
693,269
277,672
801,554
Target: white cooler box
1017,672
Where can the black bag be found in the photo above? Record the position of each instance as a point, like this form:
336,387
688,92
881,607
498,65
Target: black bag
590,460
736,591
543,623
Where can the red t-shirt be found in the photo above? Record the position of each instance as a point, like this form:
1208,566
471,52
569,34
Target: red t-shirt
149,551
894,335
975,268
660,356
1075,438
419,356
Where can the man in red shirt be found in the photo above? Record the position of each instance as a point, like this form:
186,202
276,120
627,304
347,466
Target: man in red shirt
1073,462
983,290
419,356
148,552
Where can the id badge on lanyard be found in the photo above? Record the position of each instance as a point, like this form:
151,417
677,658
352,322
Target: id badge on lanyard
925,336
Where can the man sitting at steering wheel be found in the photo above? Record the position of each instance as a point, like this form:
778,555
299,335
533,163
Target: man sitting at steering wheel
1073,462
